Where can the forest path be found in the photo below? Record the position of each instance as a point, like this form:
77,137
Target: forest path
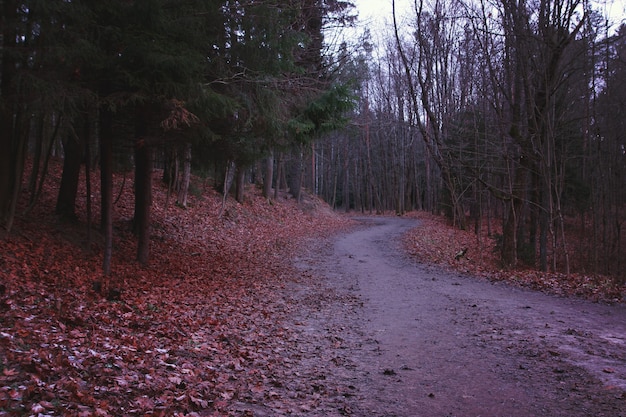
419,341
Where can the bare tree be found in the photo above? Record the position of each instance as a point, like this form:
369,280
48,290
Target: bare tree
428,64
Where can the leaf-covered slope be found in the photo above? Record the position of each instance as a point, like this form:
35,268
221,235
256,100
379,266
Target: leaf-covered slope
437,242
196,333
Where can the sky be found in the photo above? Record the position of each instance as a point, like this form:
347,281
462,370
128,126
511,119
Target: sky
380,9
375,13
617,11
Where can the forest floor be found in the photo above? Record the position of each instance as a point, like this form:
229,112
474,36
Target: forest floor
222,322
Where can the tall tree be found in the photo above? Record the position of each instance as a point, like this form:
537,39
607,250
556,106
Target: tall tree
73,155
430,80
149,52
269,63
607,160
11,144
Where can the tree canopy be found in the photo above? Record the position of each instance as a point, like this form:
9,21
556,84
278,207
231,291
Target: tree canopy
119,83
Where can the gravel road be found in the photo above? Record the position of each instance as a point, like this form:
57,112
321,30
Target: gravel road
414,340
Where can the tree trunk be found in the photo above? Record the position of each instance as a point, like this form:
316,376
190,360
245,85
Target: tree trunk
358,203
269,174
370,171
169,158
37,154
143,199
44,170
66,201
183,188
517,191
87,139
106,186
544,226
21,141
313,178
534,216
143,183
280,175
228,182
295,174
345,175
240,184
7,129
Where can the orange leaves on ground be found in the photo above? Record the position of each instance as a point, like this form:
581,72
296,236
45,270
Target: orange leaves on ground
435,241
198,331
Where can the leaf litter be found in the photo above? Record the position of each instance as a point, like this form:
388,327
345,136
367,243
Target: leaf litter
437,242
202,331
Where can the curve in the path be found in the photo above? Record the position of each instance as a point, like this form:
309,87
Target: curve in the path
442,344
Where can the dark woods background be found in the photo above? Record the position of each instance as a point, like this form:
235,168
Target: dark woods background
504,115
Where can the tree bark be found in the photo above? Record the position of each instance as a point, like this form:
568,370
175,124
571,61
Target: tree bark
7,101
106,186
183,188
20,139
269,174
143,183
280,175
37,154
87,157
240,184
229,174
44,170
66,201
143,198
294,179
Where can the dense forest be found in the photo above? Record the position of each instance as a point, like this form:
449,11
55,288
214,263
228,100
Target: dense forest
133,86
506,114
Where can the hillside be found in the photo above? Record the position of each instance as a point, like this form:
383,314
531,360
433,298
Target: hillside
171,338
436,242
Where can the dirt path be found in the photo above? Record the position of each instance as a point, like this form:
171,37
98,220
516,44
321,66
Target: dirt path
411,340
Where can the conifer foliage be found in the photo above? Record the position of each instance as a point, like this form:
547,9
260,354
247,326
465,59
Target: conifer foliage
209,85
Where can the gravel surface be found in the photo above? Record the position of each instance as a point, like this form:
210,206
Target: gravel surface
396,338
